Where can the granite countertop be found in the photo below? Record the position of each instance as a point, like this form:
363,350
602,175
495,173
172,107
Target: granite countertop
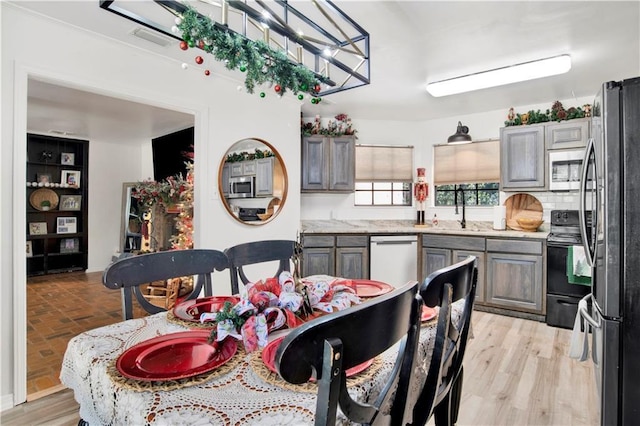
449,227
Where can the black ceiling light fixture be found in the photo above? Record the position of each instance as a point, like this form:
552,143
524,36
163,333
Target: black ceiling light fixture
461,136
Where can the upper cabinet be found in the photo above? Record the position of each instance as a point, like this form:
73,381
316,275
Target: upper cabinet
567,134
524,150
328,163
264,176
522,160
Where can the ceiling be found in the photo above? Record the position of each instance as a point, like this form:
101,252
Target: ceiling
412,43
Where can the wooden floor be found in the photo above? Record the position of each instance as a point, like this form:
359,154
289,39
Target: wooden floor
517,372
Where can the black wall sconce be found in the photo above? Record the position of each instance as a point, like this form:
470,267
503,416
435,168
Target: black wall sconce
461,136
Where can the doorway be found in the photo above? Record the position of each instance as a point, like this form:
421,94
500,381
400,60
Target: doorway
115,125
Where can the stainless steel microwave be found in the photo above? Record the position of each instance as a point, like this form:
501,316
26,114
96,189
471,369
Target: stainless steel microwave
564,170
242,187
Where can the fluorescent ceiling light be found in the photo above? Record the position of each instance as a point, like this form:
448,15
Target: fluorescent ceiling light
498,77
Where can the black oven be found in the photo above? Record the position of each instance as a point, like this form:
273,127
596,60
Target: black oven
562,296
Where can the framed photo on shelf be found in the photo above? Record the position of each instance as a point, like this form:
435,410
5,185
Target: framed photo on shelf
67,158
70,202
29,249
69,245
37,228
66,225
71,178
44,178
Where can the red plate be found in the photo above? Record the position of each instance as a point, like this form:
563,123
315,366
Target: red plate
190,310
370,288
175,356
428,313
269,359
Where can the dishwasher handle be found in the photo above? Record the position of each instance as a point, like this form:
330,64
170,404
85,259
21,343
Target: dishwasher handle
394,240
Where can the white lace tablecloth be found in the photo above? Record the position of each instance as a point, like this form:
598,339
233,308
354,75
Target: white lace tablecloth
240,397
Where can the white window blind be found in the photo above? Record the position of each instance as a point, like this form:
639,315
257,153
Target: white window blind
388,163
468,163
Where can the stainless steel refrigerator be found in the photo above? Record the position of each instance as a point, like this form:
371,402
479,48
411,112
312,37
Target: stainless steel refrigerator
610,189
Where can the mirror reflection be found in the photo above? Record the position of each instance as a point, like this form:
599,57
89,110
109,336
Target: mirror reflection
130,234
252,180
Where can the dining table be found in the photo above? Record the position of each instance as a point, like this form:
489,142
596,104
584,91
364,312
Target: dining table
242,391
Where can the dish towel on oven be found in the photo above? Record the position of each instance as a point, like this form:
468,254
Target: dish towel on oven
579,346
578,270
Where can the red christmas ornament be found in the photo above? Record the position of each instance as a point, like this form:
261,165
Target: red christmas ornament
201,44
199,60
317,88
277,88
207,72
184,45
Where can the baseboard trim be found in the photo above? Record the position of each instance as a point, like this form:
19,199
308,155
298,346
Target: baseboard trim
46,392
6,402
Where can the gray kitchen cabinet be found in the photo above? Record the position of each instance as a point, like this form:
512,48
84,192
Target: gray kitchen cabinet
515,278
460,255
264,176
352,256
328,163
226,173
336,255
318,255
439,251
243,168
522,158
567,134
433,259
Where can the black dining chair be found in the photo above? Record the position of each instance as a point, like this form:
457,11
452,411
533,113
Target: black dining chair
334,343
132,274
440,395
255,252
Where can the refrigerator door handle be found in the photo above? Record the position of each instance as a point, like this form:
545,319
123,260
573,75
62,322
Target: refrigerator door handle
583,194
584,311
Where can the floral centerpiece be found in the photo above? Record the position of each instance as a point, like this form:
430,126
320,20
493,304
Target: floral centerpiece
277,303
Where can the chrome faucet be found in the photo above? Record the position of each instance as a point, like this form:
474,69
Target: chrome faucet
463,222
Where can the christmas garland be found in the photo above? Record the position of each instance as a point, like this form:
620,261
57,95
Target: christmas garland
245,156
556,113
261,62
341,126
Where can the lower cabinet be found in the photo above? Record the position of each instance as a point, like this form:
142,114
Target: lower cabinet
341,255
510,271
515,278
439,251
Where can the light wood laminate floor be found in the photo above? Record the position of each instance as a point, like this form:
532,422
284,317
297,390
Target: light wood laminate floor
517,372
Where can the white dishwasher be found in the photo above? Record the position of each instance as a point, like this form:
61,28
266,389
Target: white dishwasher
394,259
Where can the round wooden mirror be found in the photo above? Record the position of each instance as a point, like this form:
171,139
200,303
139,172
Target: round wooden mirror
252,181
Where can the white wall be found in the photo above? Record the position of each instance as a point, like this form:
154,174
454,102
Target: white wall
423,136
105,193
89,62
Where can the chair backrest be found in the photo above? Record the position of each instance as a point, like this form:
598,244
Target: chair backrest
332,344
258,252
441,392
130,273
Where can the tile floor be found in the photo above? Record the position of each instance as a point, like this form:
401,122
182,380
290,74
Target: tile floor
59,307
